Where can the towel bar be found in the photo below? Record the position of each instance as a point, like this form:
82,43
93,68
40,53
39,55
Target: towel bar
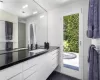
98,50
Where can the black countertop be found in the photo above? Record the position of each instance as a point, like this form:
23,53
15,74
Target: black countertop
9,59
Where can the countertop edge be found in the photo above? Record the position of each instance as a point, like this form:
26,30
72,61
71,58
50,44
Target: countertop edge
23,60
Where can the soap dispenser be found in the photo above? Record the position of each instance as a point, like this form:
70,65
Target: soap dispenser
28,47
46,45
31,46
36,46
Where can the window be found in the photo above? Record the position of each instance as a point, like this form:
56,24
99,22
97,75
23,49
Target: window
71,33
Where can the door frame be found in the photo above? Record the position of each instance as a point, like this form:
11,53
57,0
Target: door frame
67,71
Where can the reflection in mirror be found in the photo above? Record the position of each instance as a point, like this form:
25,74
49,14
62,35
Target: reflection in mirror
23,23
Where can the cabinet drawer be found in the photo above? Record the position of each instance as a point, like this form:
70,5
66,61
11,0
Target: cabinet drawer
54,66
55,62
29,71
18,77
32,76
54,56
29,63
54,52
33,62
14,70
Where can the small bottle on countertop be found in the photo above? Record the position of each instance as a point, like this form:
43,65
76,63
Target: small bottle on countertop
36,46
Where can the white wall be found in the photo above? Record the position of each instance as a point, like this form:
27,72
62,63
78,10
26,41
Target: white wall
87,41
55,33
5,16
41,28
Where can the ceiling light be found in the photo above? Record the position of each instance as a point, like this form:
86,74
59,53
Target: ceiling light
25,6
35,12
42,16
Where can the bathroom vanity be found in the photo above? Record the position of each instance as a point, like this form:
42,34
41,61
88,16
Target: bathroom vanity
29,66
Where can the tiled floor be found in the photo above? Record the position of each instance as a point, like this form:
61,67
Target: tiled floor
58,76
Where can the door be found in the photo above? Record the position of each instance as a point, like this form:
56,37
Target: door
21,35
72,59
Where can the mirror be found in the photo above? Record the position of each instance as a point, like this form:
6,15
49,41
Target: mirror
22,23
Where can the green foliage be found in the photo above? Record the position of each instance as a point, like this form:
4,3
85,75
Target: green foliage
66,46
71,33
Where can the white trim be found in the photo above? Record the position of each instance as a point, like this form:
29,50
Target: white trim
70,72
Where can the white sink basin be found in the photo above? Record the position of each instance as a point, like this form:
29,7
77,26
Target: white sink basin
38,50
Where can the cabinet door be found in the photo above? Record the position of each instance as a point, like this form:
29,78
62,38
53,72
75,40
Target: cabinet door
18,77
47,65
42,68
53,60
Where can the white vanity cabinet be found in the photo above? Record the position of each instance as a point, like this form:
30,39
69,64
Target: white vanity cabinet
49,62
38,68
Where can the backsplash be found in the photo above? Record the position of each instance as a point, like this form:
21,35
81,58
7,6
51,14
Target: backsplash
3,45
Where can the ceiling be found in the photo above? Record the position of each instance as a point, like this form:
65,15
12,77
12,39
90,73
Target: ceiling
16,7
52,4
